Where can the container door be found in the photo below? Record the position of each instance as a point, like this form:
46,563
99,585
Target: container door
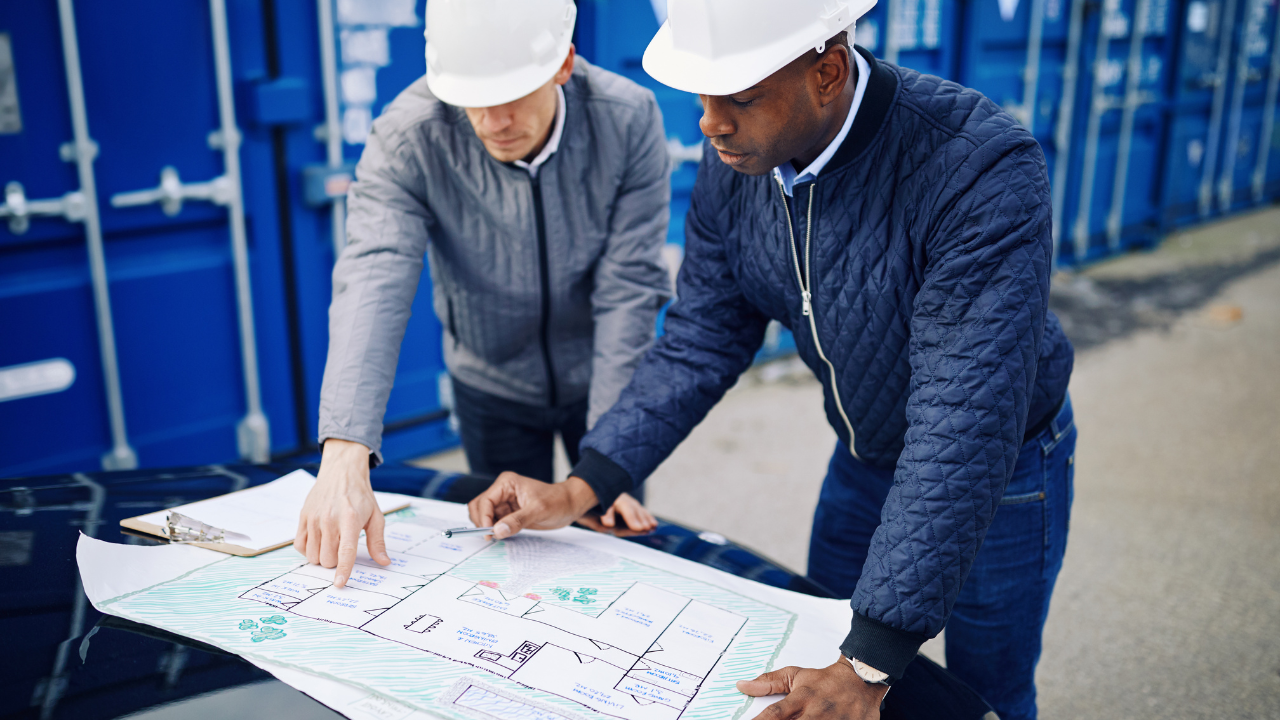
1249,128
373,52
1265,181
167,195
1127,48
918,34
1025,56
53,391
1197,106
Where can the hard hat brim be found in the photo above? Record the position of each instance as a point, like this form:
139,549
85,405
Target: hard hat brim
471,91
729,74
732,73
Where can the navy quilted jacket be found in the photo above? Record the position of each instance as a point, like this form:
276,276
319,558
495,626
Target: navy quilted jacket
930,266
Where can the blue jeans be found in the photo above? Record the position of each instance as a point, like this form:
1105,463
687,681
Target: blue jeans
993,634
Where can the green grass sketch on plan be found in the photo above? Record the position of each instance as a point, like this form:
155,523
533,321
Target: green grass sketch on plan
204,604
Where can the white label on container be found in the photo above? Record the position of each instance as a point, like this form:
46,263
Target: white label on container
356,124
10,115
867,34
365,47
1111,72
396,13
931,28
1114,22
1151,74
37,378
359,85
1198,16
1008,8
1195,152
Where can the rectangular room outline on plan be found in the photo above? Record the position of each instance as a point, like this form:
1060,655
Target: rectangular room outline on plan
628,649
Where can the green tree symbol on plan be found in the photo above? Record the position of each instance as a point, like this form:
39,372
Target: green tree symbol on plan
267,633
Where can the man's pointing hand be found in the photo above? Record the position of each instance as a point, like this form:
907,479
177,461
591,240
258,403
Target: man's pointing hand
339,506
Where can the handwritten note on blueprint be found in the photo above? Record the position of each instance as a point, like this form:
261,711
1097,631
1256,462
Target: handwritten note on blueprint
532,628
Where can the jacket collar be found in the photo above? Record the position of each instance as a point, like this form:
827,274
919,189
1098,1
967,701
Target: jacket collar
881,89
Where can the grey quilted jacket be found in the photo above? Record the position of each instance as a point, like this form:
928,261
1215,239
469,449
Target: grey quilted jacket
929,257
547,288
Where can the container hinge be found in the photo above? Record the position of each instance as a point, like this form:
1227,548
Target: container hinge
172,192
70,151
20,210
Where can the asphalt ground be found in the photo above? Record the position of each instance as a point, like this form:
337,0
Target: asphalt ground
1168,605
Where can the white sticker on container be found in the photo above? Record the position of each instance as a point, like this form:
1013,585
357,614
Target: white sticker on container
356,124
10,115
36,378
359,85
1008,8
365,47
1195,152
1111,72
867,34
396,13
1198,16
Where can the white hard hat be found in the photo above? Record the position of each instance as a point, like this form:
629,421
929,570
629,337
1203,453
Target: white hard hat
722,47
482,53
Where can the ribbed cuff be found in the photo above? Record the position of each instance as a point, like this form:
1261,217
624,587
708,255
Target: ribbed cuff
606,477
886,649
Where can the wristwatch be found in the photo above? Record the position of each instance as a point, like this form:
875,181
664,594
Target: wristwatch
869,675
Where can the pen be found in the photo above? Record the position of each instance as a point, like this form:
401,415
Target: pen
466,531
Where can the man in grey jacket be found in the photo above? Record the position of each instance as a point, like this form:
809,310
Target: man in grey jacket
538,187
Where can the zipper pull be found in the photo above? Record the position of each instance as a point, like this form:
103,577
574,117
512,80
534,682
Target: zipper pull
808,305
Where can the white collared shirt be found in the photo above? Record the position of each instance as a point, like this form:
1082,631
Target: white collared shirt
788,174
553,142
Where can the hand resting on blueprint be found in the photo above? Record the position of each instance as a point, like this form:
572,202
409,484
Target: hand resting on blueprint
514,503
342,504
832,692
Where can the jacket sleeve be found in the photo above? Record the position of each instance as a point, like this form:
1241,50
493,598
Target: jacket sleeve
976,332
631,280
711,335
374,283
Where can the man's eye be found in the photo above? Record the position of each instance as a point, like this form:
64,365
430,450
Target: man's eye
742,103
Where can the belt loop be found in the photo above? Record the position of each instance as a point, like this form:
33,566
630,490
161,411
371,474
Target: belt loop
1056,428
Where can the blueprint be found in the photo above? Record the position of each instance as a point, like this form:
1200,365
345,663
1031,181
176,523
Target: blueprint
531,628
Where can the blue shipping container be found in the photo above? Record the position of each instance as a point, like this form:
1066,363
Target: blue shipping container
202,333
919,34
1248,140
1198,103
166,368
1025,57
372,52
1128,50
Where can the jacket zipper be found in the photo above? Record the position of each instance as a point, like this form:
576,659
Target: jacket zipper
805,278
544,272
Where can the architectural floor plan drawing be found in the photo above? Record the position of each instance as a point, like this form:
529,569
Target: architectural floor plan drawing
526,629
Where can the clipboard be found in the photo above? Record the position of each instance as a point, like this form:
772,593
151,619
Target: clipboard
266,516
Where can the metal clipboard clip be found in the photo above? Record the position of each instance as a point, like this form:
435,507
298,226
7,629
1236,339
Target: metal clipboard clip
180,528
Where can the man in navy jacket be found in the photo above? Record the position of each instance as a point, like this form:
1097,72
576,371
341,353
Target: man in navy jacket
899,225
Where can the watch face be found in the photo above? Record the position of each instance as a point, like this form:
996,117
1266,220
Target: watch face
868,673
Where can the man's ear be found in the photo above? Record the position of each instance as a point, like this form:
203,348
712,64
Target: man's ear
833,68
566,69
